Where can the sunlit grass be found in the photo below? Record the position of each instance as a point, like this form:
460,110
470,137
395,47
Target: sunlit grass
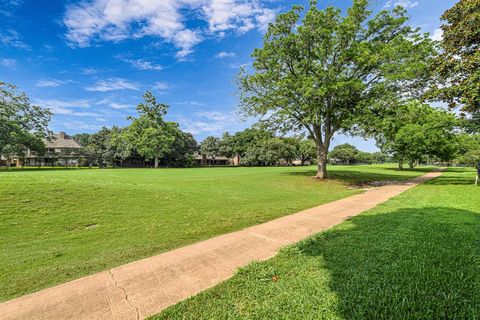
58,225
416,256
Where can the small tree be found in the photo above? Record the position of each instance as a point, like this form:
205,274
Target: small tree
468,151
306,151
379,157
346,153
329,71
364,157
210,147
119,146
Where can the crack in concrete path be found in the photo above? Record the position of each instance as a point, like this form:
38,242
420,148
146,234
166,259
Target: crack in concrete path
257,235
125,293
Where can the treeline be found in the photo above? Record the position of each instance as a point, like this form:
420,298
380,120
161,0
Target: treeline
319,72
257,147
349,154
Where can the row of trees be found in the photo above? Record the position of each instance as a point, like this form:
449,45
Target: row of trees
318,73
255,146
413,133
349,154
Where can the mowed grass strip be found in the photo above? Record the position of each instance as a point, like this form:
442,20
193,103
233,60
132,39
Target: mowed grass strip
416,256
59,225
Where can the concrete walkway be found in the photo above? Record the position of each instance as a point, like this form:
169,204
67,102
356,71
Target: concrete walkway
145,287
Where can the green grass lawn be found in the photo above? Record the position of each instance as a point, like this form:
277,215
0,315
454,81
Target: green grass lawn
416,256
58,225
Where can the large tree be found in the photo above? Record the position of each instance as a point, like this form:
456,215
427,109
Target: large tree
150,134
326,72
458,65
22,125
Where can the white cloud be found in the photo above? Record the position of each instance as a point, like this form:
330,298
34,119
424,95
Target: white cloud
196,127
224,54
216,116
89,71
65,107
50,83
403,3
240,16
113,104
160,86
141,64
437,35
11,38
85,114
113,84
237,65
8,63
115,20
190,103
81,125
7,7
119,106
212,122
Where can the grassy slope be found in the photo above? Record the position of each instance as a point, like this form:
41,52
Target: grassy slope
58,225
415,257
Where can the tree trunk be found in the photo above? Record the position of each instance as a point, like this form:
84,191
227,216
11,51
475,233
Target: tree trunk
411,164
156,162
321,163
400,166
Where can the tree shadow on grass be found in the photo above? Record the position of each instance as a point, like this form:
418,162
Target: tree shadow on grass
42,169
353,176
453,180
408,264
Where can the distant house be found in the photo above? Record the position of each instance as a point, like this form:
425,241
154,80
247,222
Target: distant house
62,150
203,160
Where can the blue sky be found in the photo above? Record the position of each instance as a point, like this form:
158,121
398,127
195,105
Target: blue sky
90,61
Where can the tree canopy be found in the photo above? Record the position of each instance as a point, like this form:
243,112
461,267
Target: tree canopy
326,72
458,65
414,130
150,134
210,147
22,125
345,153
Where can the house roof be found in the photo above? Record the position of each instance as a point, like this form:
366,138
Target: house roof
62,141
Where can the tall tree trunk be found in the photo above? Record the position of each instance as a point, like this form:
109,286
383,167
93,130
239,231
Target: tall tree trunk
321,162
156,162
